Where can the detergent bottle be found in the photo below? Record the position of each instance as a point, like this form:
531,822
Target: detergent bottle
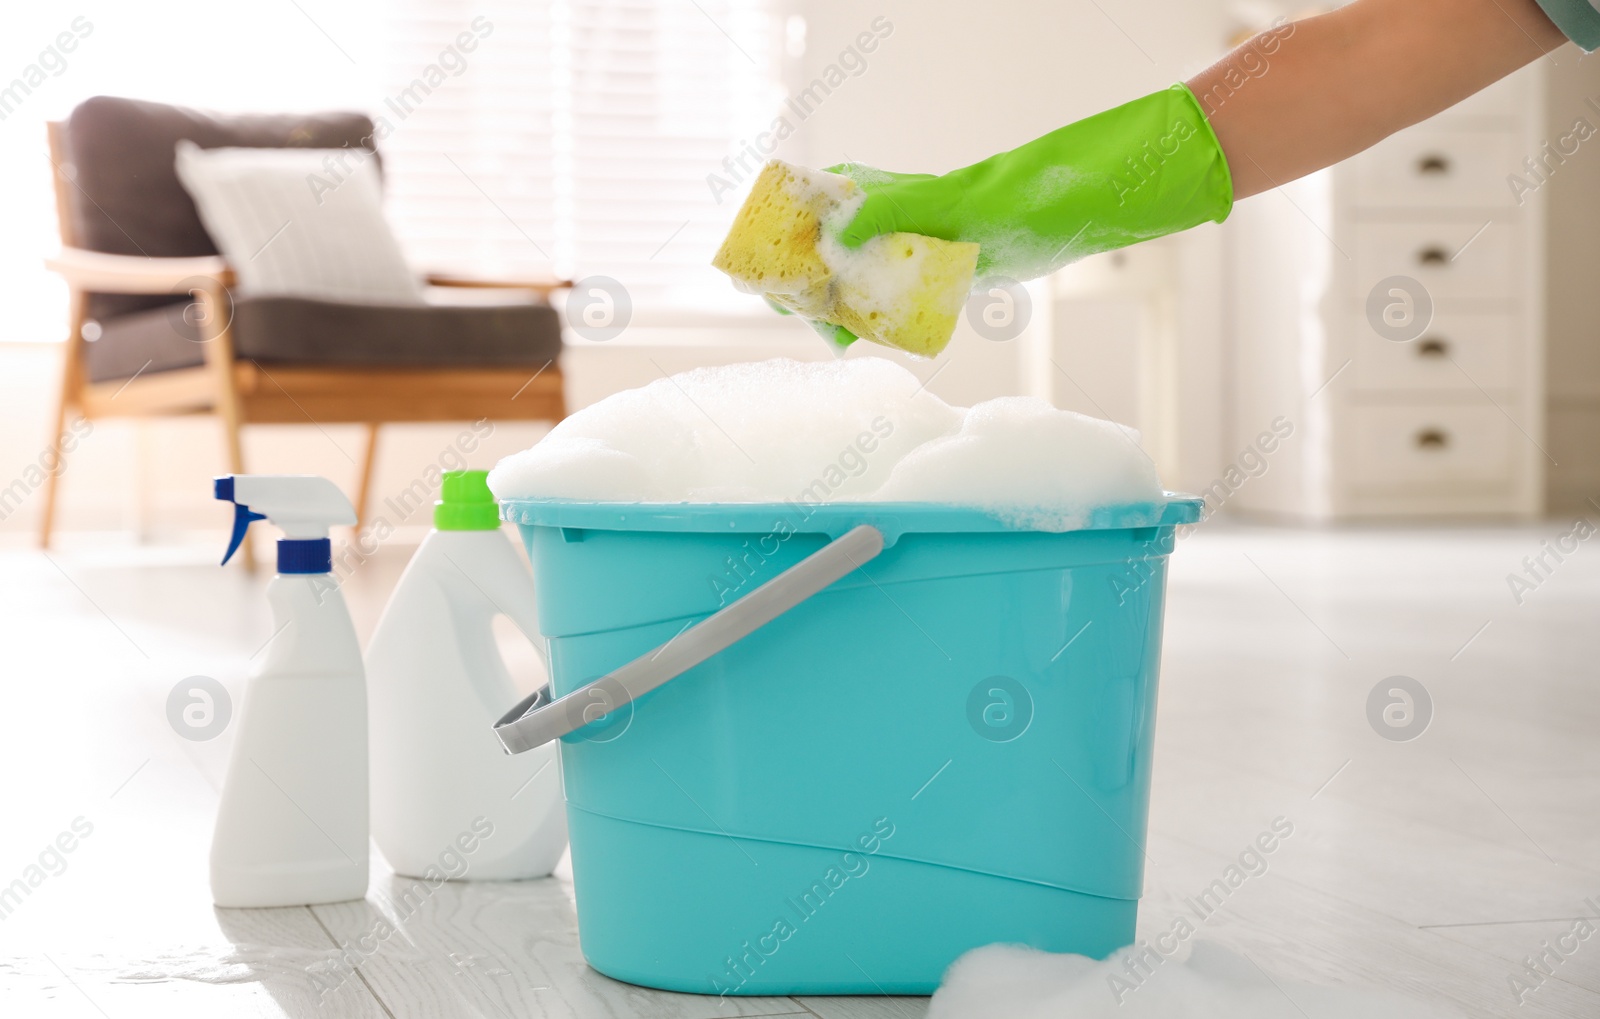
292,825
441,783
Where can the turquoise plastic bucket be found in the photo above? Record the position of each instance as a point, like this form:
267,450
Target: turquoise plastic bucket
950,747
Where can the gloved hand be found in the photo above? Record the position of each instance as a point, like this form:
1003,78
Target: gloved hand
1145,169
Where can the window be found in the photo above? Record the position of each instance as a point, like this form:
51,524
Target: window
575,136
519,136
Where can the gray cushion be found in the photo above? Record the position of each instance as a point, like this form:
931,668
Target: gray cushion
305,331
301,331
143,343
125,198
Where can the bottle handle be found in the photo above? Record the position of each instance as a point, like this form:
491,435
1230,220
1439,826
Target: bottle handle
502,581
539,718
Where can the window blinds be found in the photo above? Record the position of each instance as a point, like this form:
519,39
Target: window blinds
573,136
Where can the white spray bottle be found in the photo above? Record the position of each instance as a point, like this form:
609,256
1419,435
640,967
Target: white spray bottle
440,777
292,825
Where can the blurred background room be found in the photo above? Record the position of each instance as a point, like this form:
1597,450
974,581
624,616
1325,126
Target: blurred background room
1384,379
594,140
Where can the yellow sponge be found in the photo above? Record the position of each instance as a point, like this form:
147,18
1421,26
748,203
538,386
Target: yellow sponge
900,290
772,245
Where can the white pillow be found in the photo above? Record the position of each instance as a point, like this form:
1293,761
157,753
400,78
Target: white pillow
299,222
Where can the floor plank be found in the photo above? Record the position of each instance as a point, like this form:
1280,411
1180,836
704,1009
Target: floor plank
498,948
260,963
1529,943
1303,933
866,1008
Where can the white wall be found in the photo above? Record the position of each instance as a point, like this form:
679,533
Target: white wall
957,81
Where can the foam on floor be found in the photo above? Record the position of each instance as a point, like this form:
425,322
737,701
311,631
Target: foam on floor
857,430
1213,983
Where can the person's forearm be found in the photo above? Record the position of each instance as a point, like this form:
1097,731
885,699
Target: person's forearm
1308,94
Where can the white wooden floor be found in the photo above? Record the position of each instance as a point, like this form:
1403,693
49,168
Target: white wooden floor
1432,866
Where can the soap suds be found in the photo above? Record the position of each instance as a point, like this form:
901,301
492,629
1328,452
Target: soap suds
857,430
1213,983
1071,462
874,281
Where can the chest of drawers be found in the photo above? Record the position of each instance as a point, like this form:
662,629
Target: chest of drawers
1391,308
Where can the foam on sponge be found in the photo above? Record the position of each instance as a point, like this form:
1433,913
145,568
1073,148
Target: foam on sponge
857,430
901,290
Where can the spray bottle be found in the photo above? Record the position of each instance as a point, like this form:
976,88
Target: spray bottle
439,774
292,825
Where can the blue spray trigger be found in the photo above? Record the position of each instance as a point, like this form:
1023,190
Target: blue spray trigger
243,516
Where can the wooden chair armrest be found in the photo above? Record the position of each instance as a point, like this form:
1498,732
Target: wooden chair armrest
136,274
545,287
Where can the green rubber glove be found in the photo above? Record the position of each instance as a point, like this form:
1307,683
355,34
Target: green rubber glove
1146,169
838,336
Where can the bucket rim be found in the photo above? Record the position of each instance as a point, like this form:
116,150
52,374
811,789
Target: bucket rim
832,519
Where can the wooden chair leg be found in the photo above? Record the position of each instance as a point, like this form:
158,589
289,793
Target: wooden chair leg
52,480
71,370
364,487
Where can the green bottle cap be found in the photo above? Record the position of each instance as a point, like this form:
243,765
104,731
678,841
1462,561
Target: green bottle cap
465,503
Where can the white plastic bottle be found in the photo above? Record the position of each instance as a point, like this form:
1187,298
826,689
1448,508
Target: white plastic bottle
292,825
438,684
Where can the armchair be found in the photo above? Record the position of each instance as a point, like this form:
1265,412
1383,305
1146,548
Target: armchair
156,328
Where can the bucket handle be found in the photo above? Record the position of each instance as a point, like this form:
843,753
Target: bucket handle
537,719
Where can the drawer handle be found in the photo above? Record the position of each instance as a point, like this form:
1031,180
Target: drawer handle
1433,348
1432,438
1433,164
1433,255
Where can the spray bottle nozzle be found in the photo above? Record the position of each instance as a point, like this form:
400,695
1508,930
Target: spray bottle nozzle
303,505
243,516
